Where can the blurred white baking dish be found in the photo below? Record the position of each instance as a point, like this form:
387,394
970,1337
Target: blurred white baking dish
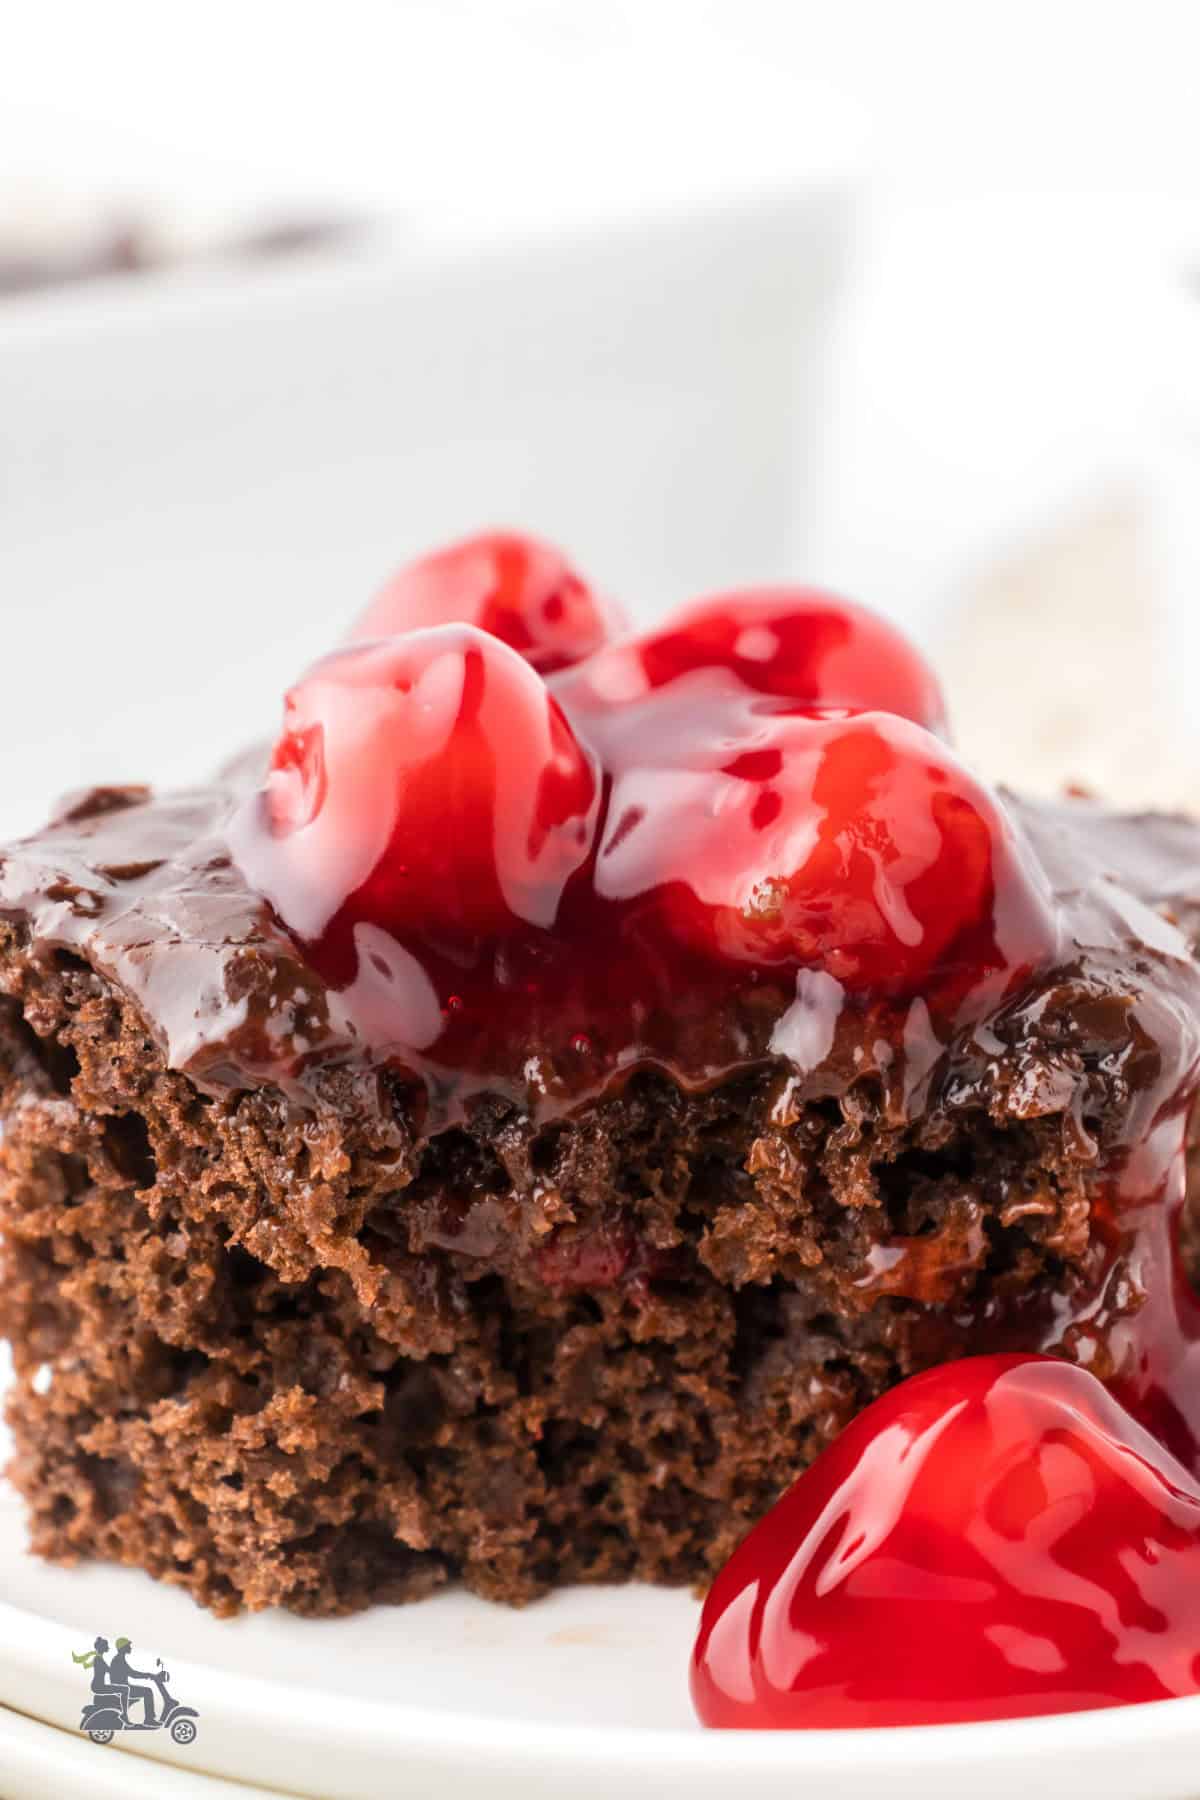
203,476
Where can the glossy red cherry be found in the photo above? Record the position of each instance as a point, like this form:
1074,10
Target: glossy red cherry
792,643
427,785
855,845
602,1252
516,588
993,1538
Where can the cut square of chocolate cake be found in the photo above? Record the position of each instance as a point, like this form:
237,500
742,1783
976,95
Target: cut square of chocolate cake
506,1138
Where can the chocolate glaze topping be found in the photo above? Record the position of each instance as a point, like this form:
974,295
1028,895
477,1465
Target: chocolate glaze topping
145,889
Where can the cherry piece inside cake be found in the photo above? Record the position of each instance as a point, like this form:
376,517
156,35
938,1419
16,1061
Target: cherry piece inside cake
511,1138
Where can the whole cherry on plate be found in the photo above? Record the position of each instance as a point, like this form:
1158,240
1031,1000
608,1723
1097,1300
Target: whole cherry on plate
856,844
518,588
791,643
425,784
995,1537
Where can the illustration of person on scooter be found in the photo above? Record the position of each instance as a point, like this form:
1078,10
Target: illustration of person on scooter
115,1689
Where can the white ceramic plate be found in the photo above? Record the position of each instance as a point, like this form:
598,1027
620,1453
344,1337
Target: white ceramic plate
583,1694
37,1761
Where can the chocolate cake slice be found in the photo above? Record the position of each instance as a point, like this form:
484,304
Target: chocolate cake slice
306,1316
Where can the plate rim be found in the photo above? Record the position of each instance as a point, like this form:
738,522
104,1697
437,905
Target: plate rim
252,1701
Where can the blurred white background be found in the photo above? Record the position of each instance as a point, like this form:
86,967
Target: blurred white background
886,297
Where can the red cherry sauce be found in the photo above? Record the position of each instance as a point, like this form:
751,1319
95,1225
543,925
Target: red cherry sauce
740,840
1002,1535
530,888
995,1537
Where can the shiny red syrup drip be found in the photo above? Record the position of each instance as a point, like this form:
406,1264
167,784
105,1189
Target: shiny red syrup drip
994,1538
511,881
514,587
1137,1321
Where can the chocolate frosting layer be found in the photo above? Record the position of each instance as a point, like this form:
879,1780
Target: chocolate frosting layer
143,888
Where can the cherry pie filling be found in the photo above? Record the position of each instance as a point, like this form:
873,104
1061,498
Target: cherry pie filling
531,853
